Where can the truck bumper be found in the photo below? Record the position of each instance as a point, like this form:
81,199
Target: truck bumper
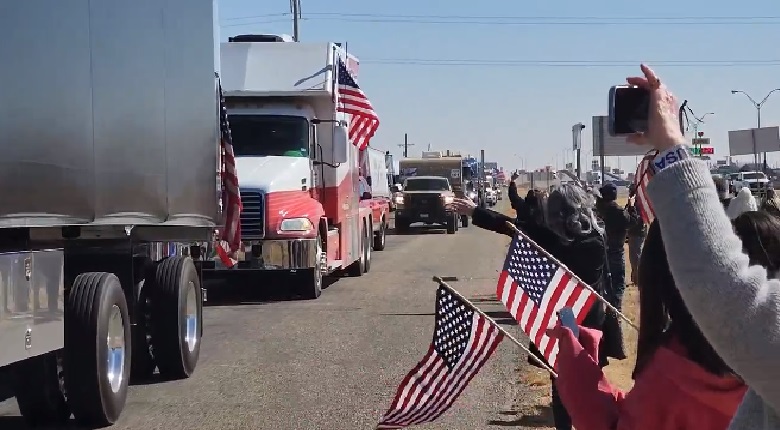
267,255
427,218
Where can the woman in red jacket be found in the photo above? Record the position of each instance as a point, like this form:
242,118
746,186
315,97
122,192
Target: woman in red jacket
680,382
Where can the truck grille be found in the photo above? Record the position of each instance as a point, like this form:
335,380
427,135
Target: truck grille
252,215
428,203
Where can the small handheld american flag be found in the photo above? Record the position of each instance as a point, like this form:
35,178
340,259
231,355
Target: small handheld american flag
229,240
644,172
363,122
463,340
534,287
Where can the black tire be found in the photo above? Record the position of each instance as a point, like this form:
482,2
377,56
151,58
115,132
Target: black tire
38,390
401,225
464,221
311,288
175,278
452,224
358,268
368,248
88,310
380,237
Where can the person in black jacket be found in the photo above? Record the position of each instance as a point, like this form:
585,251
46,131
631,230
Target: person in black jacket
616,222
723,191
637,231
570,233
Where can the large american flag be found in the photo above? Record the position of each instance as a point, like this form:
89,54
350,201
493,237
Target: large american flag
534,287
229,240
463,340
363,121
644,172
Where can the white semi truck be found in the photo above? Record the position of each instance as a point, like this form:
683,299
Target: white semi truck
109,165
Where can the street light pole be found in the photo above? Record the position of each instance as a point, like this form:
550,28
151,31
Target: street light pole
758,106
576,131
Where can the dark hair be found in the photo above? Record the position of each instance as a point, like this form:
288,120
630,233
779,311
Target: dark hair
535,203
760,234
663,314
720,185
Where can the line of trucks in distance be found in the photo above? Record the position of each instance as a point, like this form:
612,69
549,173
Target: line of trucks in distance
112,173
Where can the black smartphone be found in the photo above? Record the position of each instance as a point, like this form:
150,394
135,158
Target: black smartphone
628,110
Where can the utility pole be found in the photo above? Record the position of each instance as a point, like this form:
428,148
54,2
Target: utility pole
482,187
295,8
406,145
576,131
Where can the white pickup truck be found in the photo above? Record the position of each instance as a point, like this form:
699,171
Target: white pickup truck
756,182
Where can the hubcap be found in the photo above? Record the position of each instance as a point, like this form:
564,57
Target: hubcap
191,317
116,349
322,260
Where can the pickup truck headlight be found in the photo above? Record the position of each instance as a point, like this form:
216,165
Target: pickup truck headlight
448,200
296,224
399,200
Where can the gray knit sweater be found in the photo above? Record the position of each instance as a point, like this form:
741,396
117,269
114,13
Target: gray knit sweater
735,305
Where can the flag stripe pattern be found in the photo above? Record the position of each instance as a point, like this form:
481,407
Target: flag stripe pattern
644,172
229,239
363,121
463,341
534,287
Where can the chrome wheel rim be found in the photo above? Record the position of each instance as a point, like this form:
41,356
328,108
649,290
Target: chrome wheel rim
115,344
191,317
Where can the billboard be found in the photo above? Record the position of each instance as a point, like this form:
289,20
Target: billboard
754,141
613,146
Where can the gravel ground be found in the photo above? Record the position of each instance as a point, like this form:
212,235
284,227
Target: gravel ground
335,362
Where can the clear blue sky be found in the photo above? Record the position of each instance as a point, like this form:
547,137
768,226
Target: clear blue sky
527,111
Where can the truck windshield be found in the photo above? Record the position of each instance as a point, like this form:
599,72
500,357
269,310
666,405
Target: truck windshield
268,135
427,185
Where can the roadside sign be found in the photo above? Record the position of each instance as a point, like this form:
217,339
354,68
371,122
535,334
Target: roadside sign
700,141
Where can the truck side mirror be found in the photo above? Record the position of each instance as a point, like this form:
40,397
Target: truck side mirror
340,144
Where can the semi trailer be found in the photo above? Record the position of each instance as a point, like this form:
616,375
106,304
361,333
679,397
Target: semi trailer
110,162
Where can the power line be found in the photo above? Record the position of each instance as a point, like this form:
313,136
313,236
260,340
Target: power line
568,63
517,20
519,17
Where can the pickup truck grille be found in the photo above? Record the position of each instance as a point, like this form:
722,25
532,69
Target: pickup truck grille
252,215
428,203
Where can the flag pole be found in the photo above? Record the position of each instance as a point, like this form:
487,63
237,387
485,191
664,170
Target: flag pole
574,276
503,331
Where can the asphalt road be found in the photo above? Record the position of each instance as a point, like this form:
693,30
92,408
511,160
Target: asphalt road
335,362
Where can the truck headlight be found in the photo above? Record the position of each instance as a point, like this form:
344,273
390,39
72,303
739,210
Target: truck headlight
296,224
448,200
399,200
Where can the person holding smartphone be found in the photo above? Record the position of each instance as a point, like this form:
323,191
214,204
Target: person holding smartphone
733,300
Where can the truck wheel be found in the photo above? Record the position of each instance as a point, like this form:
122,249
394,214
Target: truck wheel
367,249
97,349
37,384
452,224
464,221
358,268
312,287
401,225
177,315
379,237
